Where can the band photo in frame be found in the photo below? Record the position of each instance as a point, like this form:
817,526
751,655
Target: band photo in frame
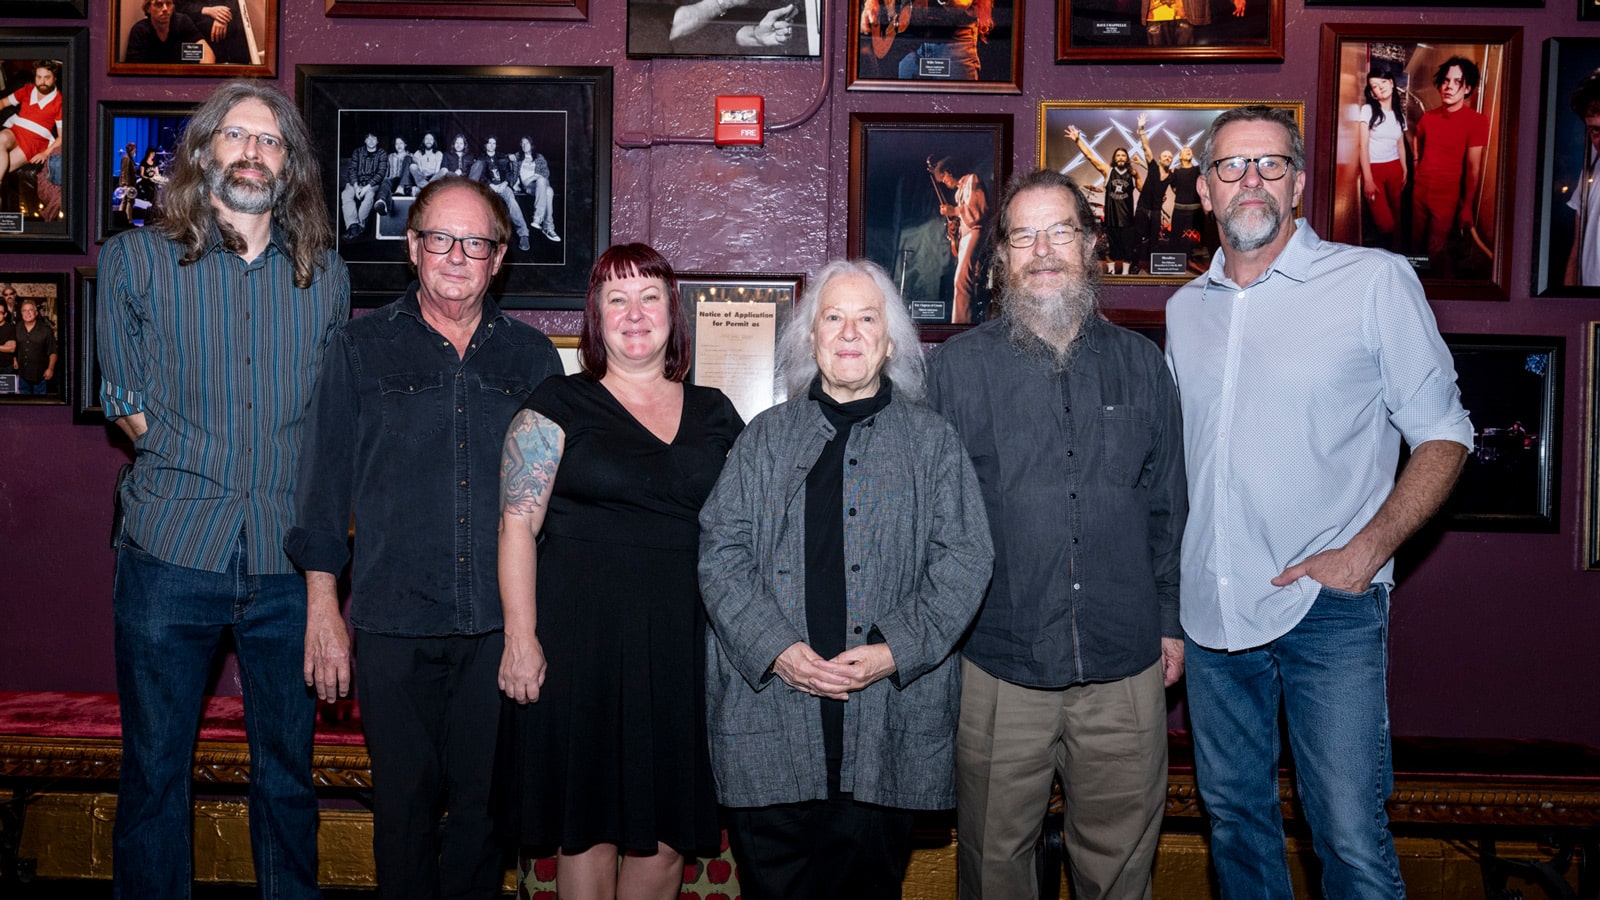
918,45
1418,149
1152,31
1159,233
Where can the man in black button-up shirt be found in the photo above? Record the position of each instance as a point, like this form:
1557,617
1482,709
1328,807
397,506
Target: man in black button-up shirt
405,431
1073,427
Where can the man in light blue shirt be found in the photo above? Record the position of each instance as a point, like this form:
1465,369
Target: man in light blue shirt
1301,364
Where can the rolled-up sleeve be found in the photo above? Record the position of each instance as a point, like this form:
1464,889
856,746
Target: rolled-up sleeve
119,331
319,538
1419,374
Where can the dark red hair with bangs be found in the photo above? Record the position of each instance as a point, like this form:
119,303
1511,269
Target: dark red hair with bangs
625,261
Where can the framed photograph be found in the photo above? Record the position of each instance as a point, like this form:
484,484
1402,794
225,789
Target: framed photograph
1417,149
1156,232
134,158
554,10
45,9
1591,494
1511,387
1566,256
736,28
915,45
1187,31
86,406
923,190
1588,10
35,323
44,107
388,130
205,38
736,320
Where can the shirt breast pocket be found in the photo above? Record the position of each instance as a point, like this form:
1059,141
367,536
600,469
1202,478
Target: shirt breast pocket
1127,435
502,397
414,405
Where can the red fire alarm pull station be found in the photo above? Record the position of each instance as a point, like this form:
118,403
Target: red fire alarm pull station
740,120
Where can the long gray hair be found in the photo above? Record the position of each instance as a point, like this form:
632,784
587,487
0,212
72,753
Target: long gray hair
905,365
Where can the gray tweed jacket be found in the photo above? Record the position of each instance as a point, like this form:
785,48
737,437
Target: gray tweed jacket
918,557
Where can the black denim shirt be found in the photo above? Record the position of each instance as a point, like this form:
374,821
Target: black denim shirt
1082,478
407,435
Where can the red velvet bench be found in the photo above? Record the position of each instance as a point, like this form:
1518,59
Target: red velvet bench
53,739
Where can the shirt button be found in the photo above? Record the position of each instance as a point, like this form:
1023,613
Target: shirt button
852,462
1077,586
1069,452
856,567
461,521
462,445
463,483
858,629
460,410
1073,495
1222,581
852,510
1074,540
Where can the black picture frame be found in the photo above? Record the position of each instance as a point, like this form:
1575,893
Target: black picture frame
45,9
151,127
719,29
1473,264
536,10
1168,251
1591,493
1563,147
51,292
87,408
1589,10
894,215
1511,388
248,47
776,294
903,52
44,225
565,110
1130,31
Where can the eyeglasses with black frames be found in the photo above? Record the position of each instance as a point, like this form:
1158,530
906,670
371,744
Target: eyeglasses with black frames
1270,167
269,144
442,242
1057,234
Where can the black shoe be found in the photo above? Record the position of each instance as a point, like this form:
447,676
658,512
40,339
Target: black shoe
522,242
353,232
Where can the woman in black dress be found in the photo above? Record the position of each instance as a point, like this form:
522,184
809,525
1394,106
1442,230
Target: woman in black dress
603,748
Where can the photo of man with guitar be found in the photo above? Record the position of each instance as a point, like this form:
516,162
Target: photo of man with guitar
940,40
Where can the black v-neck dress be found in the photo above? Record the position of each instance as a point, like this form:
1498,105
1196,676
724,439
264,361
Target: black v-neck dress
615,749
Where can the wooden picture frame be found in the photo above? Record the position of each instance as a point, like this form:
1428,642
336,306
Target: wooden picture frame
1511,386
1565,149
895,201
43,205
563,112
1426,204
50,294
534,10
1591,493
735,320
130,194
242,44
1155,31
1446,4
914,46
1169,244
87,408
758,29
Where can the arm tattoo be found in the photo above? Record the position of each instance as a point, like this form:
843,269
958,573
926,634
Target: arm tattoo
528,462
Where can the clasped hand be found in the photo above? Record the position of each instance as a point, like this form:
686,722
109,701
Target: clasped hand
853,670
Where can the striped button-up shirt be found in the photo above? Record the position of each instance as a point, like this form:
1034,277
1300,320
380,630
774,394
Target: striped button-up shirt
220,356
1297,390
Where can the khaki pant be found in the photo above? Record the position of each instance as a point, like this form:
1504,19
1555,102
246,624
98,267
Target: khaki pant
1107,742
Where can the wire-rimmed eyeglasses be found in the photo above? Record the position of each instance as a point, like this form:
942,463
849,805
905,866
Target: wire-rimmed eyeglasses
442,242
1057,234
1271,167
267,143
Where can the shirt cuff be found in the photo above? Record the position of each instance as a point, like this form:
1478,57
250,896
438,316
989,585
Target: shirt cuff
312,551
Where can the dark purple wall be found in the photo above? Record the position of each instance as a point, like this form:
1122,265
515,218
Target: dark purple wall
1493,634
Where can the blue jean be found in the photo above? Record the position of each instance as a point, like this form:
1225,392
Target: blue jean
1330,672
24,386
169,620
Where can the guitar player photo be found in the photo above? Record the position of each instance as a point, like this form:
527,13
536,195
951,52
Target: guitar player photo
948,45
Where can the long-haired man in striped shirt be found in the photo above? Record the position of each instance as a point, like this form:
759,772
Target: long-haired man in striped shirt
215,322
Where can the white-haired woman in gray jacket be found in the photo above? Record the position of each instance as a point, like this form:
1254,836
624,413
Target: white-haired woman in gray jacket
843,553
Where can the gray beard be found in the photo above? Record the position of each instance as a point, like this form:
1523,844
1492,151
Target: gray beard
1047,328
243,196
1246,232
